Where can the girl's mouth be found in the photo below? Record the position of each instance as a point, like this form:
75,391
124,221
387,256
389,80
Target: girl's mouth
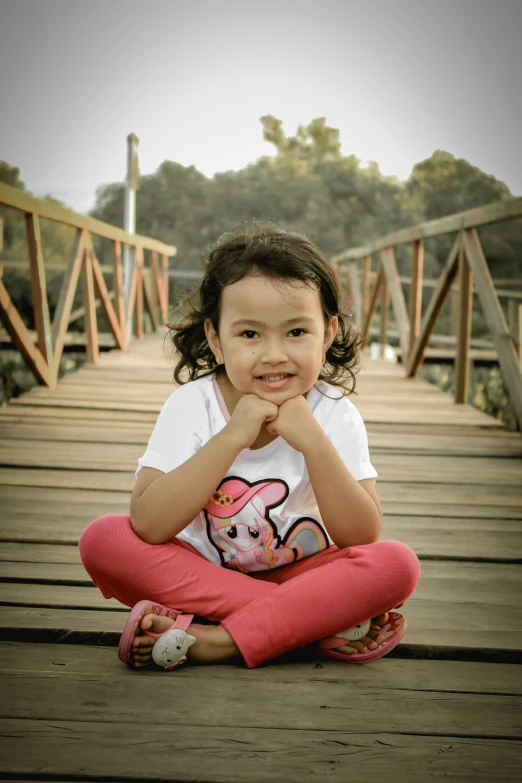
275,381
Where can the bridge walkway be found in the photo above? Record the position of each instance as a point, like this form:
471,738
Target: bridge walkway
447,702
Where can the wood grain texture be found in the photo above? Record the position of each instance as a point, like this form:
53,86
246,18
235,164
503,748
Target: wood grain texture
74,697
232,755
445,703
422,675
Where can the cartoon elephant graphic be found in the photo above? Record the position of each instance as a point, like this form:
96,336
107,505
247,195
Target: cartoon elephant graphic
239,526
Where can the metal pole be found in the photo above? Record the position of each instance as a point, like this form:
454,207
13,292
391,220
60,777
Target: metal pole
129,219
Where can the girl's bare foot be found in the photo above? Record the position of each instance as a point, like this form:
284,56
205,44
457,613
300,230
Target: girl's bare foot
213,643
369,642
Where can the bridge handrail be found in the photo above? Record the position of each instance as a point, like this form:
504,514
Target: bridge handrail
470,218
467,261
26,202
43,357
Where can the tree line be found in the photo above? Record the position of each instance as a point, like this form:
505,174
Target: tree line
307,186
310,187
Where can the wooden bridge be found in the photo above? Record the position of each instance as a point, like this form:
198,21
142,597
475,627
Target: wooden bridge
446,702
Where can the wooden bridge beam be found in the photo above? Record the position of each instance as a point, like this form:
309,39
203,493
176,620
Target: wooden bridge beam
66,296
434,308
416,292
464,329
470,218
397,298
502,337
39,288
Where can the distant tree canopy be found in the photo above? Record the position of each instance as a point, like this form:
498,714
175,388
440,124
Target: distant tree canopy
308,186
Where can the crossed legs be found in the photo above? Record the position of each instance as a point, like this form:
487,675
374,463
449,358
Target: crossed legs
261,615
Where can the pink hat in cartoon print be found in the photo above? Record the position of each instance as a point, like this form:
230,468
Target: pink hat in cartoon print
235,493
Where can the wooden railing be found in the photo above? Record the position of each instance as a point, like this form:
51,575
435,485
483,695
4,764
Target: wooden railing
43,355
466,261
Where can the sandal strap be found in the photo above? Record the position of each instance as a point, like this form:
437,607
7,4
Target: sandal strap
182,622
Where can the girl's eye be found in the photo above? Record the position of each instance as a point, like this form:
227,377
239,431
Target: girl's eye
297,330
247,333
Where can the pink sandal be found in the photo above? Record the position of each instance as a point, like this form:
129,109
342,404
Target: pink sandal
393,631
171,646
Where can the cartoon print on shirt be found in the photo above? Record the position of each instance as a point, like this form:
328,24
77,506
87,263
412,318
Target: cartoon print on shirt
240,528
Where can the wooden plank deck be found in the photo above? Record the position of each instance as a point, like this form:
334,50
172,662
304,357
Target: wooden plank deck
446,702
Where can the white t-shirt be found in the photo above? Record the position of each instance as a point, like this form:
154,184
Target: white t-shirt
264,513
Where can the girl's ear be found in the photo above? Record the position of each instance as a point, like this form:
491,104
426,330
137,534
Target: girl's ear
213,340
331,331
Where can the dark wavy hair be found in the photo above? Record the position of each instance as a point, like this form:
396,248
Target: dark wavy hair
270,252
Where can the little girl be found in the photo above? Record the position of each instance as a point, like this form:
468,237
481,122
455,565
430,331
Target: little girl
255,506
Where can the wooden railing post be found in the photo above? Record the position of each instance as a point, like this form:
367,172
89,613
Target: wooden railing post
502,338
150,293
105,301
416,292
156,294
66,296
515,324
139,292
385,304
435,306
462,362
397,298
22,339
165,270
38,287
117,281
90,310
379,282
367,261
520,336
355,292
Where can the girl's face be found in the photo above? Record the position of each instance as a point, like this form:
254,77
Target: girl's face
268,329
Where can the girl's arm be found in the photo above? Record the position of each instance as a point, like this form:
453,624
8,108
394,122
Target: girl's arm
350,509
163,504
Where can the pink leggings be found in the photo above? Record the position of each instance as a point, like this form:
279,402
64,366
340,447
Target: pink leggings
267,613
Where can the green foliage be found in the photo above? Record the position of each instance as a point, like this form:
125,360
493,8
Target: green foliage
444,185
310,187
307,186
56,240
312,144
12,220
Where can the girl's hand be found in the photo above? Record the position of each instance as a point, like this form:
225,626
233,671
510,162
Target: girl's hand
248,416
296,423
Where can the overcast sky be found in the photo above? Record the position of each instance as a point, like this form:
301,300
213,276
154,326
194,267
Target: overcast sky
399,78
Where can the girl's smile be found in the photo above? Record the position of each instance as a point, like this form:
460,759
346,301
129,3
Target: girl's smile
275,382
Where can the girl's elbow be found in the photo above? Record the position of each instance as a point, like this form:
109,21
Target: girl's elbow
143,530
369,534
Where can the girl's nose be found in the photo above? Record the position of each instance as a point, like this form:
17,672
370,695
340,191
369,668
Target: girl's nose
274,353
